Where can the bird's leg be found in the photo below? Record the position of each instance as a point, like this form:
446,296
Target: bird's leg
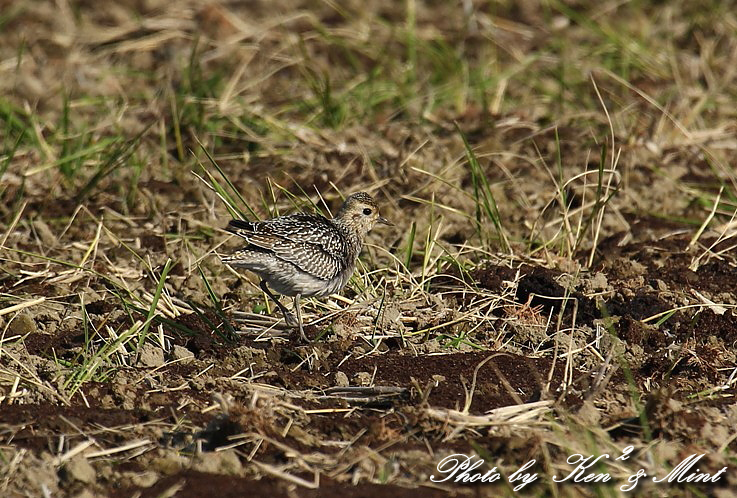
298,310
288,317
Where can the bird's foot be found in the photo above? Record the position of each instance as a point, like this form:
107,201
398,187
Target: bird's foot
302,335
291,320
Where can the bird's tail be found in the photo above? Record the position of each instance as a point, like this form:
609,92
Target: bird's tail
240,227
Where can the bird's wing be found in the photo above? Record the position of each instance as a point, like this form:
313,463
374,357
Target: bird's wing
310,242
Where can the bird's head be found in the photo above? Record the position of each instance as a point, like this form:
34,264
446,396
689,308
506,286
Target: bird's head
360,212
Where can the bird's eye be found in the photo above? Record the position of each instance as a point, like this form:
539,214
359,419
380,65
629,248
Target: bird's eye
367,211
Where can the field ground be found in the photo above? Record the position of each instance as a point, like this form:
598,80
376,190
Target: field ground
561,278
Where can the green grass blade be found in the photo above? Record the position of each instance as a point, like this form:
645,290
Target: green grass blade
154,303
483,195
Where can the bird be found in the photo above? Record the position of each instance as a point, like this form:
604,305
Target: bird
305,254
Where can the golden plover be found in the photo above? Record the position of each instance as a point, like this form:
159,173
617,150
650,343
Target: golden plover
305,254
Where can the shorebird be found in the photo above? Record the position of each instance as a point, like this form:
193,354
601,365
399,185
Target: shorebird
305,254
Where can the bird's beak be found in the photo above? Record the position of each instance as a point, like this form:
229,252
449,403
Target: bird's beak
384,221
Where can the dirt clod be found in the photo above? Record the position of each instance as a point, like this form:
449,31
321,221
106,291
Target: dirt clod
22,324
182,354
341,379
79,469
221,462
151,356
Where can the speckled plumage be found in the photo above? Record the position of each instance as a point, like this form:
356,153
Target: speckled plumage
305,254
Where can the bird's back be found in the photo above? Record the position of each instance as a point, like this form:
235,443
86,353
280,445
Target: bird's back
305,248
